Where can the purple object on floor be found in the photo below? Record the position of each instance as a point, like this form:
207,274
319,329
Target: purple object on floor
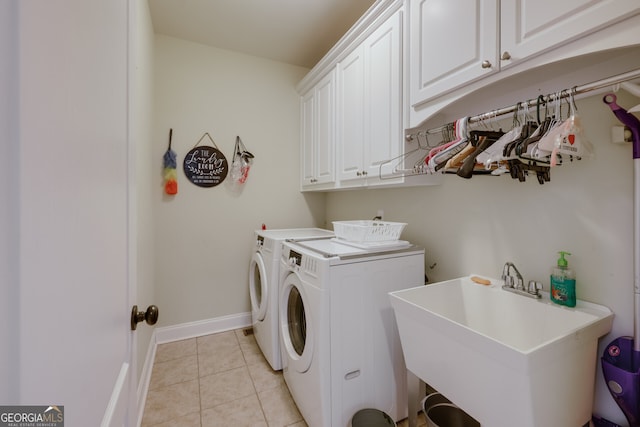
620,368
601,422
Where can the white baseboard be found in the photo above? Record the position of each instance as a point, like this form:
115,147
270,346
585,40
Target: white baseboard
145,376
184,331
165,334
118,406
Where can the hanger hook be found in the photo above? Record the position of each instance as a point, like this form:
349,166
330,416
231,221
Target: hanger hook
539,102
572,98
566,96
515,116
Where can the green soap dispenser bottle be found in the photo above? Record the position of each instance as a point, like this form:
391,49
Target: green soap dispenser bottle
563,282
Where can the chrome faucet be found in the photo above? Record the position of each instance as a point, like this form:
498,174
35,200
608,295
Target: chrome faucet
509,279
515,283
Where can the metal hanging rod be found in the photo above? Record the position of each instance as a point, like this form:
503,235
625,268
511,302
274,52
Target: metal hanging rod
576,90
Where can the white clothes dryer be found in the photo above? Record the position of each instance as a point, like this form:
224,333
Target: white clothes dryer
340,346
264,280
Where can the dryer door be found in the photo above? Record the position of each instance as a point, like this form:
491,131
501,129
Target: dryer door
295,324
258,282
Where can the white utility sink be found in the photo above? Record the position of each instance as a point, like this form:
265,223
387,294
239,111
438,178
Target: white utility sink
506,359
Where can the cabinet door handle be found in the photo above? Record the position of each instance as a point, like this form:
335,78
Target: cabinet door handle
505,56
486,64
358,173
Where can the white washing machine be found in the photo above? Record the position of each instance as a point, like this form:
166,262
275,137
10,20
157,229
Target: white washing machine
264,280
340,346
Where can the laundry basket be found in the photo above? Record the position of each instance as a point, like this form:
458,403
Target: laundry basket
368,231
440,412
372,418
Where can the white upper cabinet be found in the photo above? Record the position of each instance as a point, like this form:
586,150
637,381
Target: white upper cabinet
384,135
369,105
452,43
456,42
318,134
530,27
351,105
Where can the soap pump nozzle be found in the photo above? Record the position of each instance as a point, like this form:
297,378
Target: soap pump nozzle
562,262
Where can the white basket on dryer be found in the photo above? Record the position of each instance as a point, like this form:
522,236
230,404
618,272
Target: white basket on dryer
368,230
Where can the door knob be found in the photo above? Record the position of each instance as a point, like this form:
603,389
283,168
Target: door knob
150,316
505,56
486,64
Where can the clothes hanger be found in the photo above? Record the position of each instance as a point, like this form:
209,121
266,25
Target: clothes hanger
524,147
481,140
524,163
492,155
514,148
456,160
439,161
473,140
447,138
572,141
450,136
547,142
421,166
418,167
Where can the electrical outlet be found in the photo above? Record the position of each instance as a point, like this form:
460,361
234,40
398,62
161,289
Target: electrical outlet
621,134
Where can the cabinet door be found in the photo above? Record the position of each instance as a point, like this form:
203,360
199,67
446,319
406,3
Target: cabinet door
452,43
308,136
370,103
530,27
383,134
318,133
325,130
350,121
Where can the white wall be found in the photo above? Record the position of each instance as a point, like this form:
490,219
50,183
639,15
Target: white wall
204,236
476,225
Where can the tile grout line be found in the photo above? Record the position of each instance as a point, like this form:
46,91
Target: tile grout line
245,353
199,388
246,364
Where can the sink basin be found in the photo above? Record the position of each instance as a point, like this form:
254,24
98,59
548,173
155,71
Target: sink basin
506,359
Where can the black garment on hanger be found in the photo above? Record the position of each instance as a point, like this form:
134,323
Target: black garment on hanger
481,140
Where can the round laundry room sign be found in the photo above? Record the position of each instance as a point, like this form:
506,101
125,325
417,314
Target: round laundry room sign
205,166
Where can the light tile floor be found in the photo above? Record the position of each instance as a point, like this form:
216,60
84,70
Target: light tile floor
219,380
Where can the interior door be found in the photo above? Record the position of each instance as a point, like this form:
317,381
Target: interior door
73,214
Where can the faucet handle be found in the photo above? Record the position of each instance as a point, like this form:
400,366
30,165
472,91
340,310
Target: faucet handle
505,270
508,281
534,287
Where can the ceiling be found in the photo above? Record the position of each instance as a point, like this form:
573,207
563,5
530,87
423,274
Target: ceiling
297,32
